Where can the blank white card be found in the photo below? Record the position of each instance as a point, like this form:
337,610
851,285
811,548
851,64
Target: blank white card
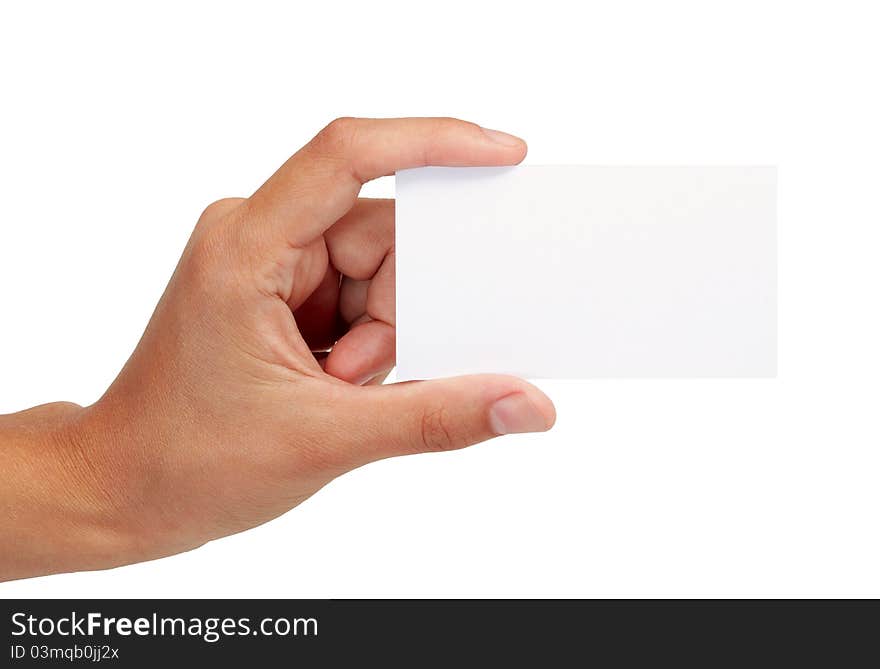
582,271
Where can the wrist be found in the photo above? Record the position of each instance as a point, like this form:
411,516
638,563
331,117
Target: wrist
65,511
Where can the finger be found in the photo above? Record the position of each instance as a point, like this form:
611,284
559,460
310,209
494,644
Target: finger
353,299
365,351
374,298
380,294
368,348
320,183
441,415
358,242
318,317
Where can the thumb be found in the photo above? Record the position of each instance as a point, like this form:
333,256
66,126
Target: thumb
445,414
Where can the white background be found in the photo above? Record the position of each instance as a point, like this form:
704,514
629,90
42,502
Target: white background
117,126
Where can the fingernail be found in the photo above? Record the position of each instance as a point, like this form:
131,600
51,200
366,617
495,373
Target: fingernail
502,137
515,413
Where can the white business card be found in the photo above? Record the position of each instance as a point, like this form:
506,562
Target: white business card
580,272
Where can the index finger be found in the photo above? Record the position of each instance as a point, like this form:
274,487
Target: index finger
320,183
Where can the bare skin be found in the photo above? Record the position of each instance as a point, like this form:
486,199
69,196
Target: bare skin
230,412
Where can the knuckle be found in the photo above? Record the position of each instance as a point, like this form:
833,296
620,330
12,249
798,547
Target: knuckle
337,134
449,124
201,267
435,432
219,208
215,223
452,122
209,255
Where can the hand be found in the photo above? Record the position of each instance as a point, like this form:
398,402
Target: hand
230,411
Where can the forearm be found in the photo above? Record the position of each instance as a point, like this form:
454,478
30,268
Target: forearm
55,515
